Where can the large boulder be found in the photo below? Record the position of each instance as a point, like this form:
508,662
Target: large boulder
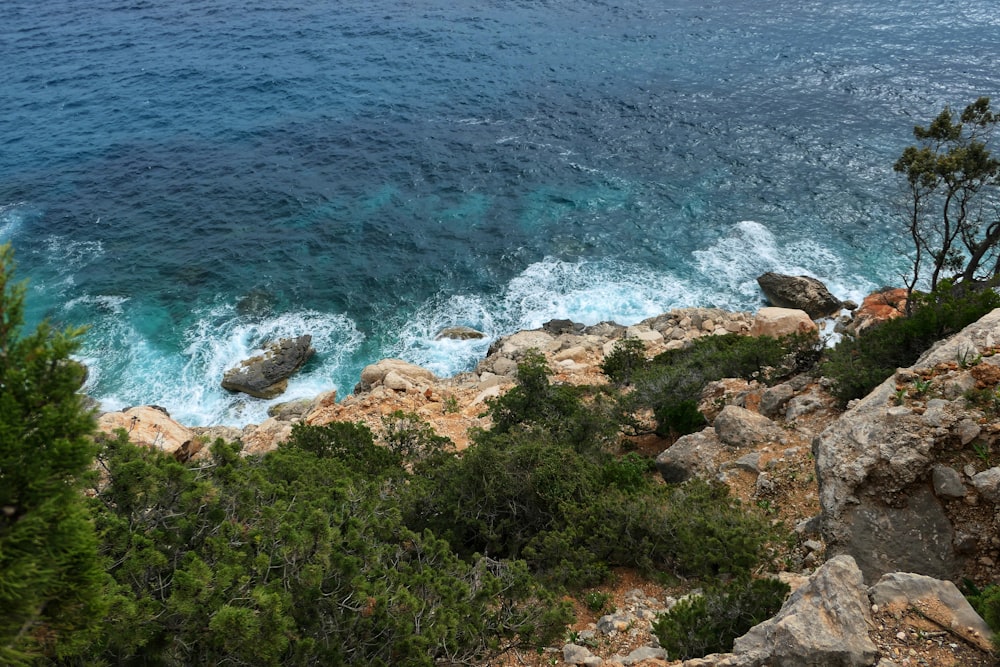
799,292
883,497
266,375
778,322
151,426
823,624
394,374
693,455
739,427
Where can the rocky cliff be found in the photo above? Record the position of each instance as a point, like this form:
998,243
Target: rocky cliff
902,481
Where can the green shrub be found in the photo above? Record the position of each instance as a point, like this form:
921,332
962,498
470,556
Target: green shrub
672,382
578,416
986,602
858,365
409,436
297,557
626,358
596,601
704,624
353,444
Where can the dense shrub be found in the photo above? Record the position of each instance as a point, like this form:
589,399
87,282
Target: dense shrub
581,417
51,583
298,557
627,357
573,511
704,624
858,365
671,383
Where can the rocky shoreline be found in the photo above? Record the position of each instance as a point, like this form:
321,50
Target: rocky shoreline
889,486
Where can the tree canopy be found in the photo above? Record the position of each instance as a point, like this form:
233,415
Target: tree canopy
952,182
50,577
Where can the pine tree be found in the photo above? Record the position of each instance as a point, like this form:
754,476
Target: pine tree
50,575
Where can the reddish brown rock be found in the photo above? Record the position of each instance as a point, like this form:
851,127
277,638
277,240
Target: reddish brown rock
880,306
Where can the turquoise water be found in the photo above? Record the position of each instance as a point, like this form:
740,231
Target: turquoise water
193,178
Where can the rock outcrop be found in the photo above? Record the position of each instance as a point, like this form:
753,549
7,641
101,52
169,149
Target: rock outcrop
151,426
778,322
823,624
800,293
266,375
888,469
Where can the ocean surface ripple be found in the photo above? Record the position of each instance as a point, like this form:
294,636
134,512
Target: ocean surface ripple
194,179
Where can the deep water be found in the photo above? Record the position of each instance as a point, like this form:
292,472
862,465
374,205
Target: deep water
193,178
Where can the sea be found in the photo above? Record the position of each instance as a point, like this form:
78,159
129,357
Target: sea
191,179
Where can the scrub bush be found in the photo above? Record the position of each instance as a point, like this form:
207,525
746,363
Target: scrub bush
708,623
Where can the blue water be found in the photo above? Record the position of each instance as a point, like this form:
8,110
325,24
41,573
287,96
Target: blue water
192,178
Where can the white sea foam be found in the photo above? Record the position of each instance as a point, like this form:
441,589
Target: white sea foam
11,218
187,385
729,268
585,292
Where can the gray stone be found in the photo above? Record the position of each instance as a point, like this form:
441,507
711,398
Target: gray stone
574,654
823,624
939,601
691,455
801,292
459,333
739,427
967,431
773,400
266,375
290,409
947,482
644,653
749,462
987,484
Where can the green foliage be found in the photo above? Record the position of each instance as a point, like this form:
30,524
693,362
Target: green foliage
672,382
409,436
353,444
858,365
704,624
298,557
596,601
561,411
50,578
951,183
986,602
625,359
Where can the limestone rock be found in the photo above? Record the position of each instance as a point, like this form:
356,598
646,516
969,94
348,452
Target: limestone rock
290,410
778,322
823,624
738,427
149,426
691,455
939,601
875,467
799,292
947,482
265,437
394,374
266,375
774,399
